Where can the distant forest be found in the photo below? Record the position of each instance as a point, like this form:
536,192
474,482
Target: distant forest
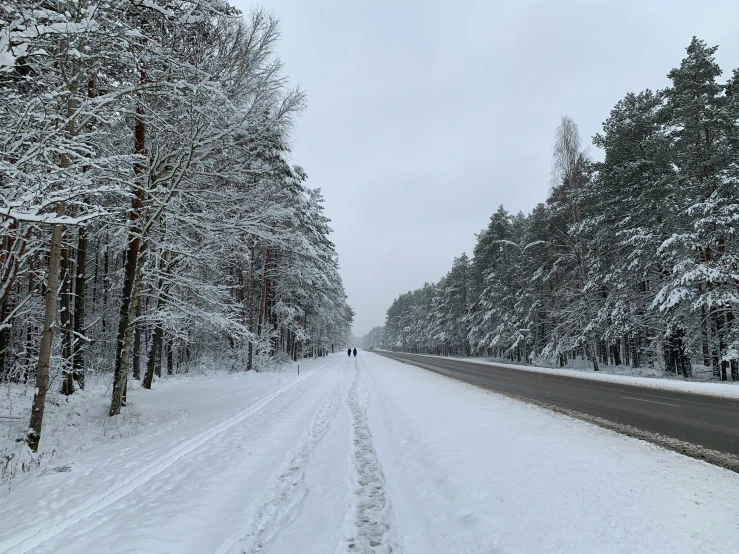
632,260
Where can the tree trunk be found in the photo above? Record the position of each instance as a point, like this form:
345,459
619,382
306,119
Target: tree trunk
705,339
252,293
156,340
721,323
151,360
125,331
625,349
616,354
129,335
158,356
594,356
715,348
106,286
96,247
137,345
263,299
80,292
29,328
65,319
170,365
4,262
734,362
44,355
684,364
634,343
3,339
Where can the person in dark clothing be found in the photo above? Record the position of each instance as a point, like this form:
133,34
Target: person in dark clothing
349,352
355,352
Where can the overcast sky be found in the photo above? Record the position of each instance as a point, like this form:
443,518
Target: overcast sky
424,116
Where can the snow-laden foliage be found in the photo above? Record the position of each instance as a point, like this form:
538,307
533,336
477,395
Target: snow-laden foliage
632,260
374,339
148,214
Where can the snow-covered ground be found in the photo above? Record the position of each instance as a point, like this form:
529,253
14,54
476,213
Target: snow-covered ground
373,456
77,423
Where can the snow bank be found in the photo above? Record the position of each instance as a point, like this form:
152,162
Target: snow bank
725,390
73,423
80,422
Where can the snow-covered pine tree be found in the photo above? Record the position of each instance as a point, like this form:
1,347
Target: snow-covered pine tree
632,260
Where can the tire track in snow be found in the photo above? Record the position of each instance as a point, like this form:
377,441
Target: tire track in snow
29,539
284,498
370,529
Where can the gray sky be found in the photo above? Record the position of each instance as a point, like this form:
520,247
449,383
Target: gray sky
424,116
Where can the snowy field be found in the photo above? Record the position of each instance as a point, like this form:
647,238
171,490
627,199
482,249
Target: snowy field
370,456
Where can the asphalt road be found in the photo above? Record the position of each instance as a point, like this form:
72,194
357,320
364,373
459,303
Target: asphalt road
702,420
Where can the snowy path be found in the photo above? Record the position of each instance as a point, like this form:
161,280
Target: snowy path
478,472
370,455
176,489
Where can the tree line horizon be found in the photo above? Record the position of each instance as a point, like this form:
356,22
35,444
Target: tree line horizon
632,260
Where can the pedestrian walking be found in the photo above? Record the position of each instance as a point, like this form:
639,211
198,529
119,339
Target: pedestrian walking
349,352
355,352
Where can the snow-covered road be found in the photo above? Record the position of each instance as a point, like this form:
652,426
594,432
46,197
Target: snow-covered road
369,455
